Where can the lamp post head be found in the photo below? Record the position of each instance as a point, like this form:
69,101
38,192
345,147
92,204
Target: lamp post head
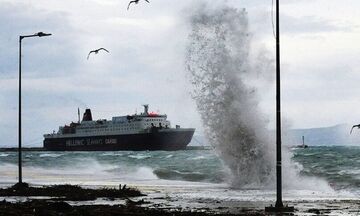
42,34
39,34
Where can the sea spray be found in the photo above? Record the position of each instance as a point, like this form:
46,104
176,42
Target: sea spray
222,68
229,75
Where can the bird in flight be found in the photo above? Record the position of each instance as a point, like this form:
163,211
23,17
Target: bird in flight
135,1
96,51
358,126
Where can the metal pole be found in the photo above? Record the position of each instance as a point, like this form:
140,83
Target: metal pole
279,202
19,148
279,206
39,34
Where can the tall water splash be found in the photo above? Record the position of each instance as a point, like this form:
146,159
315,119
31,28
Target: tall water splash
223,70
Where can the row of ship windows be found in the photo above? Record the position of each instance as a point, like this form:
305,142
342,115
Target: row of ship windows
149,124
91,131
122,126
115,128
97,127
154,120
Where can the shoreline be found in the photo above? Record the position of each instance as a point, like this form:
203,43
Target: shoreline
152,202
44,206
108,169
71,200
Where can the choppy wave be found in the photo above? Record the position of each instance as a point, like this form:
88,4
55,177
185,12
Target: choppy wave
171,174
4,155
112,154
28,155
114,166
198,158
140,157
50,155
339,166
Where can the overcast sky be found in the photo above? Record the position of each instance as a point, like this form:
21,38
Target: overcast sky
320,55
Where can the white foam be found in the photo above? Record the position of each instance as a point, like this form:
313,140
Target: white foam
79,171
112,154
139,156
198,157
50,155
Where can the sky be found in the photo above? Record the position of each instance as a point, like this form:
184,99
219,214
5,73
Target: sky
320,52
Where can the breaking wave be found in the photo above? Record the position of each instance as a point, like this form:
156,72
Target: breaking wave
112,167
189,175
221,65
229,75
338,165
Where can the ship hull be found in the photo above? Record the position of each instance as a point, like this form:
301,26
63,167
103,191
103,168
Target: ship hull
168,140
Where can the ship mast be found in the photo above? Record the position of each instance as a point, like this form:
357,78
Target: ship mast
78,115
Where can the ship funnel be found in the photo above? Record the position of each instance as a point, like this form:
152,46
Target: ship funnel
87,115
146,109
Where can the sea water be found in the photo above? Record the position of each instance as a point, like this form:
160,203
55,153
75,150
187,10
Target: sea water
106,168
339,166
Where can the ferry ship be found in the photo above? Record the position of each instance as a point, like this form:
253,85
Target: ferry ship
138,132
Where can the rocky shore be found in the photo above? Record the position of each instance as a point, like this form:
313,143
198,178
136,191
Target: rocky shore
73,200
69,192
53,201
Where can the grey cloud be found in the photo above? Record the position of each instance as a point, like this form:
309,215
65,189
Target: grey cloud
291,24
311,24
45,54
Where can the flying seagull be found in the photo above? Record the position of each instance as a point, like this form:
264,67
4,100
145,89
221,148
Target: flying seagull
358,126
96,51
135,1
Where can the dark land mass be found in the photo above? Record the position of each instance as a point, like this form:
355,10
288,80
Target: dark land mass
67,200
69,192
55,204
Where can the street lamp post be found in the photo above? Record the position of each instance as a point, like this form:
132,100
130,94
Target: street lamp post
279,206
39,34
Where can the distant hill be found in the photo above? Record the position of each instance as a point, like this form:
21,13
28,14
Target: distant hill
333,135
